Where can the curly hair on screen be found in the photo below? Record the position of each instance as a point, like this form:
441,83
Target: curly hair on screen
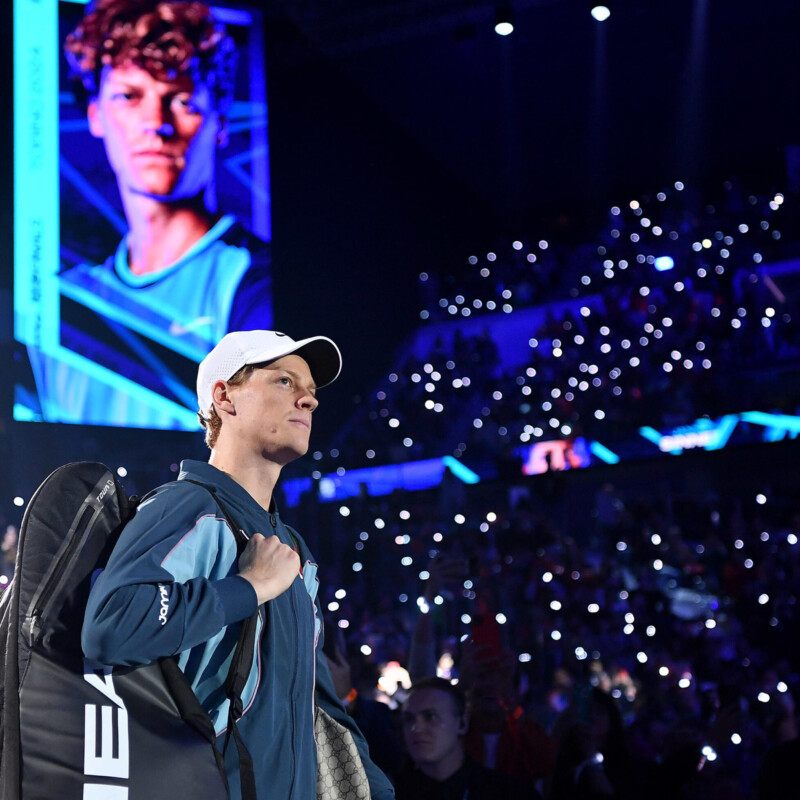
167,38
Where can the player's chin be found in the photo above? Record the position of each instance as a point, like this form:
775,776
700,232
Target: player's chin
301,446
286,454
166,192
164,185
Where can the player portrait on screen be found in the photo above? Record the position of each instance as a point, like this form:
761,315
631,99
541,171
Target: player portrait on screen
157,78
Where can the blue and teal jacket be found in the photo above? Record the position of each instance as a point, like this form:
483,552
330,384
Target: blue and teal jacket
171,587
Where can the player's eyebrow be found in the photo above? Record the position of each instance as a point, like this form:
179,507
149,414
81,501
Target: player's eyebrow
295,375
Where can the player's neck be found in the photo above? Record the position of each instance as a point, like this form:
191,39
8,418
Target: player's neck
257,477
160,233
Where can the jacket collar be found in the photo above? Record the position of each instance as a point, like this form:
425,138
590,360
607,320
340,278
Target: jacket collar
203,472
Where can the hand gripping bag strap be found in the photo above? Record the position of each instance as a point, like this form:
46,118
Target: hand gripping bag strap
46,686
241,664
69,527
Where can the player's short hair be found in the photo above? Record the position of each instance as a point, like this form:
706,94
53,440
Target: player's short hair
167,38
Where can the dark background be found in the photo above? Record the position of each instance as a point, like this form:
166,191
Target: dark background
406,136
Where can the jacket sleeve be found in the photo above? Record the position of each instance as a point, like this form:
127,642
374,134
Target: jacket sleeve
170,583
325,696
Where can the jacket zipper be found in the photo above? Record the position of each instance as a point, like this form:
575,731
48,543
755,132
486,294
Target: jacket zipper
274,522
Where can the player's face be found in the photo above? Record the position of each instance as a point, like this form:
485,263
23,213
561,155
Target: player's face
160,136
274,407
432,727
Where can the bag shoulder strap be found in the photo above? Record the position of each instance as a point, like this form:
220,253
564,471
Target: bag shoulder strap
241,664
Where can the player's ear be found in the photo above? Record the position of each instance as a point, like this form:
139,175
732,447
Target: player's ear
221,396
95,123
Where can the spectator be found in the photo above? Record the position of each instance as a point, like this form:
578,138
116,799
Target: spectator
435,718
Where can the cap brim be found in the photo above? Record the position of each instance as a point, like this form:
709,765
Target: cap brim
320,353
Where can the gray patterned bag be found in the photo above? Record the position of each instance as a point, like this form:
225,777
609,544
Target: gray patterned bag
340,773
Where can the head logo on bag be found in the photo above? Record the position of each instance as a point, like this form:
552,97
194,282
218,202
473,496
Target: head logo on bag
106,751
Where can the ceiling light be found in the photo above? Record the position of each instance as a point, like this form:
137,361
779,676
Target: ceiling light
504,19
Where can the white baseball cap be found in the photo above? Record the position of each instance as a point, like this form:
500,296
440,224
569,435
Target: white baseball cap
237,349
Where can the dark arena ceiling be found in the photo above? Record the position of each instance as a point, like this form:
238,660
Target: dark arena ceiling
405,136
567,110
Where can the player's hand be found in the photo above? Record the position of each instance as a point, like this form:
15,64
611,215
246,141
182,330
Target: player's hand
269,566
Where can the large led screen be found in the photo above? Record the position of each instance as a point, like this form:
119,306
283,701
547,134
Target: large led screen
141,204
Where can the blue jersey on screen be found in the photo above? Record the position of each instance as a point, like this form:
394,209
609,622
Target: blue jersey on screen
130,344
